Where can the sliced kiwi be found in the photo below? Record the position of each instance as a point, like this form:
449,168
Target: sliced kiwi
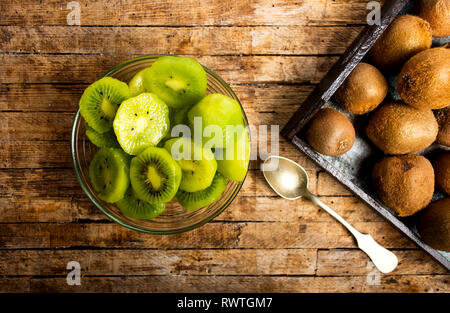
202,198
233,162
99,102
140,122
178,81
197,163
155,175
104,140
109,174
136,84
215,112
133,207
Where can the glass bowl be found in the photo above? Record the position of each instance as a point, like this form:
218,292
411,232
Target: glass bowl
175,219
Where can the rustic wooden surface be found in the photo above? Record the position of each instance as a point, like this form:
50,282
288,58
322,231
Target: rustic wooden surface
272,53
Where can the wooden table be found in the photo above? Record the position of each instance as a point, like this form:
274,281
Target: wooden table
272,53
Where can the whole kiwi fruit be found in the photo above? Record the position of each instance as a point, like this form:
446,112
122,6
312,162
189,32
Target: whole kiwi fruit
397,128
330,132
363,90
442,171
434,225
404,183
424,81
443,119
406,36
437,13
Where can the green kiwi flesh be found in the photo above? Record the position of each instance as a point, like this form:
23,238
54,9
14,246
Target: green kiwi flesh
136,84
104,140
233,161
133,207
197,163
140,122
99,102
155,175
178,81
109,173
199,199
215,110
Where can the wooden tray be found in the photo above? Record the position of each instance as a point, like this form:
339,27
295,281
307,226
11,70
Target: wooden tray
353,168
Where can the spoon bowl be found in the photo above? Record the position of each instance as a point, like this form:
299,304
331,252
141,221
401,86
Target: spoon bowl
289,180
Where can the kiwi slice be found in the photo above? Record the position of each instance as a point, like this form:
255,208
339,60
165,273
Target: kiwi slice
140,122
155,175
99,102
133,207
136,84
109,174
199,199
233,161
104,140
215,111
197,163
178,81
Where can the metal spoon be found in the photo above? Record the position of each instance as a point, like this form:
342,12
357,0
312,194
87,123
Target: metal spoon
290,181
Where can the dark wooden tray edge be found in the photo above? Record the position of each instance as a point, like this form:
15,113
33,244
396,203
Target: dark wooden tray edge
341,69
325,90
374,203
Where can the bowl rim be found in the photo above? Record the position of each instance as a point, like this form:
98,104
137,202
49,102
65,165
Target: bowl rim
117,220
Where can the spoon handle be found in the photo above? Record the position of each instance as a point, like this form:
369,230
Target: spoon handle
383,259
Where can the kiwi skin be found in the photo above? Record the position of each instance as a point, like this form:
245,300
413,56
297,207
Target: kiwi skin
434,225
406,36
363,90
424,81
436,12
397,128
443,119
330,132
404,183
442,171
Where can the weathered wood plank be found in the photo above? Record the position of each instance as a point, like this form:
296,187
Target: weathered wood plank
62,182
160,262
190,12
14,285
262,235
35,154
355,262
330,186
388,283
168,40
257,209
78,69
64,98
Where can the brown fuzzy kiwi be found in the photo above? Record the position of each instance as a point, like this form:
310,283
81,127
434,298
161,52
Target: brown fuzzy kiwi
442,171
437,13
397,128
404,183
434,225
330,132
424,81
363,90
443,119
406,36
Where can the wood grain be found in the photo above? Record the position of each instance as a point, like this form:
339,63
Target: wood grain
76,69
388,283
62,182
161,262
267,235
243,208
272,53
284,40
64,98
188,13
